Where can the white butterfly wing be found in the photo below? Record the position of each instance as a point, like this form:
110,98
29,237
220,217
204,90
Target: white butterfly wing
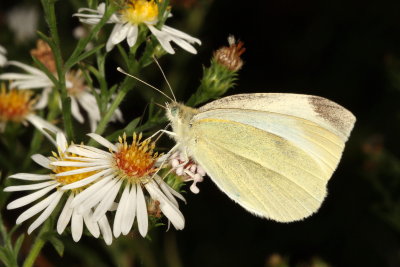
273,162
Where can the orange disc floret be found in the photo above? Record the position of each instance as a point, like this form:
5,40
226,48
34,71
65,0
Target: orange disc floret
15,105
136,160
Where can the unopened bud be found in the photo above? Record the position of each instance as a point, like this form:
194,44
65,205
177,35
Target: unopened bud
229,56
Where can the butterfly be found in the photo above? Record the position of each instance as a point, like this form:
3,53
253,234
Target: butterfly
271,153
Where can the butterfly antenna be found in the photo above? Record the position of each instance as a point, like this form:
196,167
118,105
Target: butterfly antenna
151,86
165,77
161,106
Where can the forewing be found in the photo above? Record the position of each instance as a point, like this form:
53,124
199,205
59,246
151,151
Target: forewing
318,110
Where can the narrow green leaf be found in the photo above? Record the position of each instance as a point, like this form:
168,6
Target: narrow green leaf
83,56
18,244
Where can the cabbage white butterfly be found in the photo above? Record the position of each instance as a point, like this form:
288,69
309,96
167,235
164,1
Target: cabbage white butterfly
271,153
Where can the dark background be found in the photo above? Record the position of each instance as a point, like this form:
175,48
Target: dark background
347,51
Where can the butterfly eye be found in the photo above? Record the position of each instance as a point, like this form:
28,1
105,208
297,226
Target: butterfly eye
174,111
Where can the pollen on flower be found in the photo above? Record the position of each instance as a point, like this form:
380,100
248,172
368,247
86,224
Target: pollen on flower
140,11
135,161
15,105
44,54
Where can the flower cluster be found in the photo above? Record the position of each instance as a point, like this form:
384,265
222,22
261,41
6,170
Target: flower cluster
124,186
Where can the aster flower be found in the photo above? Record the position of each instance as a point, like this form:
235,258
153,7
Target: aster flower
50,185
3,58
77,88
130,168
19,106
128,19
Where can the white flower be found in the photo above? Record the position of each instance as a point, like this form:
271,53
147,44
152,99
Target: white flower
127,168
128,19
3,57
23,21
19,106
79,92
50,185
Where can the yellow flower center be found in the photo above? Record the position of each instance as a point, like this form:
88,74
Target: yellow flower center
140,11
15,105
68,179
135,161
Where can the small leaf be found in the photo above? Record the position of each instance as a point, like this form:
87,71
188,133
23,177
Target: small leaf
18,244
55,241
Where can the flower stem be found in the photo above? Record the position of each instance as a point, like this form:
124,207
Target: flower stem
37,245
50,14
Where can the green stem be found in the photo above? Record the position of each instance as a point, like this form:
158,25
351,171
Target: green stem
49,9
37,245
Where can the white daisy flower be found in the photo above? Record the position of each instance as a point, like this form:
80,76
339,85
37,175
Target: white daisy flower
77,89
19,106
3,57
129,168
50,185
128,19
27,30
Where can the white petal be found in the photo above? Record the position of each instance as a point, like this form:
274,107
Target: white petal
46,213
29,198
96,150
96,197
141,210
132,35
121,33
87,180
44,99
61,140
79,164
75,110
65,215
43,125
107,201
163,38
30,176
35,209
76,226
91,225
166,206
165,187
185,45
41,160
88,192
121,208
28,186
102,141
105,230
27,68
82,151
180,34
110,44
129,212
81,170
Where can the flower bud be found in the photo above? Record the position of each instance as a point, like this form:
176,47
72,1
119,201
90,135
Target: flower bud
229,56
